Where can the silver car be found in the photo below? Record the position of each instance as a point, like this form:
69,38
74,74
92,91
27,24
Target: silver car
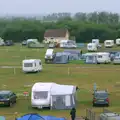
116,59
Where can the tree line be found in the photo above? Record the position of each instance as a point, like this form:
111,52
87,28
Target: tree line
83,26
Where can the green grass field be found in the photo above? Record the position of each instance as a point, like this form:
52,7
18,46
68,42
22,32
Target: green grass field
82,75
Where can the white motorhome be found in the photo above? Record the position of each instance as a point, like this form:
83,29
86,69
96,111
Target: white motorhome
103,57
91,47
109,43
49,55
96,41
32,65
67,44
31,40
118,41
43,94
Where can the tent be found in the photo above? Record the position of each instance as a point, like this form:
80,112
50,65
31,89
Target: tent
2,118
80,45
63,97
61,58
35,45
73,54
91,58
34,116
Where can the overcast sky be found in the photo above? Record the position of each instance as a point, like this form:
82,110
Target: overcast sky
20,7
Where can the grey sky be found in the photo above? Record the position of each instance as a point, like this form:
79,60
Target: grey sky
49,6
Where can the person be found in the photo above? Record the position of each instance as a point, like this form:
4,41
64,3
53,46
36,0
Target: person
73,113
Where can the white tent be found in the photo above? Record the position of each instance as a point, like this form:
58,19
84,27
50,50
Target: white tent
63,97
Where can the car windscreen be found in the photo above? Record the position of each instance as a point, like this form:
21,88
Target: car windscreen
4,96
101,95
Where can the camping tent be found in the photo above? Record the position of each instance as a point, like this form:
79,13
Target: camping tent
91,58
73,54
2,118
61,58
34,116
63,97
35,45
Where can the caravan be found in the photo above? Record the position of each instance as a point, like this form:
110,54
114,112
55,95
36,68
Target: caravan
49,56
41,94
52,95
109,43
118,42
31,65
103,57
91,47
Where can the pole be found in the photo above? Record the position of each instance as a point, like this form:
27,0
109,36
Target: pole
14,71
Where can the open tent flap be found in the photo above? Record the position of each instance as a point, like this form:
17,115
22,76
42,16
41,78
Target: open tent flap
63,97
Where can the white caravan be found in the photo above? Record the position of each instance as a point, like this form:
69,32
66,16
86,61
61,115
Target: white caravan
109,43
91,47
103,57
31,65
96,41
118,41
49,55
42,93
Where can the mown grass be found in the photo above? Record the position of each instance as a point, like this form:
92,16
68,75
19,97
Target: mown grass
80,74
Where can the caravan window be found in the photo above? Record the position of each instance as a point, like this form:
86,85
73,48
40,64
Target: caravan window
28,64
108,43
91,57
41,95
39,63
90,46
99,56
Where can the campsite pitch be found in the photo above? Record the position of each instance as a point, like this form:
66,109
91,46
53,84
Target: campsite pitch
82,75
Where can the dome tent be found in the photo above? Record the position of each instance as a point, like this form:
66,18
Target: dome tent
35,116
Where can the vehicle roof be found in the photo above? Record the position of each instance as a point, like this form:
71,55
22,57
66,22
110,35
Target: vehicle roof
101,91
102,53
43,86
110,114
49,51
108,40
5,92
30,60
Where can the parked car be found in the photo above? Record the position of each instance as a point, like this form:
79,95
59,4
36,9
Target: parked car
7,98
9,43
112,55
100,98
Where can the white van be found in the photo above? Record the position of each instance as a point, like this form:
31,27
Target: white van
49,55
103,57
31,65
109,43
118,41
41,93
96,41
91,47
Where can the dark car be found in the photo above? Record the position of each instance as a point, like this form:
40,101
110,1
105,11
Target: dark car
9,43
100,98
7,98
112,55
